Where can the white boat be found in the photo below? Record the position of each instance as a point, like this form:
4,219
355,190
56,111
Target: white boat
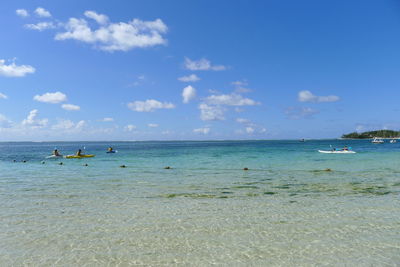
393,141
337,151
377,140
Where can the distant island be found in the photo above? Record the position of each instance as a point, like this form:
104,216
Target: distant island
372,134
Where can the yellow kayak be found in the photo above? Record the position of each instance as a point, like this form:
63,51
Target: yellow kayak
79,157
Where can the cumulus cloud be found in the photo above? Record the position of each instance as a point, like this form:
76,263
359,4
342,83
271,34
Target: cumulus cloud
241,87
22,13
129,128
202,64
307,96
68,125
12,70
213,106
4,122
53,98
3,96
296,113
189,78
230,100
41,26
70,107
43,13
107,119
122,36
204,130
243,121
99,18
33,122
152,125
249,130
188,94
149,105
211,113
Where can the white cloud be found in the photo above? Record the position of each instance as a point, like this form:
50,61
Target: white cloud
188,94
70,107
115,36
250,130
3,96
152,125
68,125
204,130
99,18
13,70
243,121
43,13
230,100
107,119
189,78
202,64
211,113
129,128
4,122
63,125
167,132
149,105
41,26
307,96
22,13
295,113
240,87
80,124
33,122
53,98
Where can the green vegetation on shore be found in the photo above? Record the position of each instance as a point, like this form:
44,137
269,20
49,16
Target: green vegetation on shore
372,134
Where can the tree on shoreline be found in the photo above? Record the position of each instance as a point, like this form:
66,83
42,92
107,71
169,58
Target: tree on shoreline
372,134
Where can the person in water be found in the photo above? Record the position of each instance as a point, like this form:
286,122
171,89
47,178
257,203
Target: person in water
79,152
345,148
110,149
55,153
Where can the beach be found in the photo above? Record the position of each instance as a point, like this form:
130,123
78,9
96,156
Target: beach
292,207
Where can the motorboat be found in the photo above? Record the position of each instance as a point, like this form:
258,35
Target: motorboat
377,140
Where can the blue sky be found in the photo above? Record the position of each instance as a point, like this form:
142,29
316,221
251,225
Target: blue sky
181,70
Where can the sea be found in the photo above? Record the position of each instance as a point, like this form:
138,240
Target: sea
193,203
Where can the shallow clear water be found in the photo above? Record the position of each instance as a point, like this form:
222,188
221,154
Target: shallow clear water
285,210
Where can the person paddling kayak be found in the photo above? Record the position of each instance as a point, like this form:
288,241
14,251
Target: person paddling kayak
56,153
79,152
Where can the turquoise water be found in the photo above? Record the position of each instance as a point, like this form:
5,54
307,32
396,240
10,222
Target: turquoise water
286,210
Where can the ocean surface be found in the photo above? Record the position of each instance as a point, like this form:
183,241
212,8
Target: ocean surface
287,209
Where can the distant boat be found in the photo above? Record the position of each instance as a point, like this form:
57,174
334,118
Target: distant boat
302,140
337,151
393,141
377,140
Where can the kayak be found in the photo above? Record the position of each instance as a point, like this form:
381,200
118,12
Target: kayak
54,157
79,157
337,151
112,151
